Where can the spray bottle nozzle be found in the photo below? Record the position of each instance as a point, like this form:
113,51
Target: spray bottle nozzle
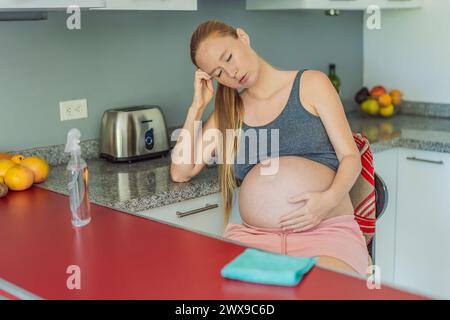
73,141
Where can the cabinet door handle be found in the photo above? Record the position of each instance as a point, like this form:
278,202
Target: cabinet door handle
181,214
425,160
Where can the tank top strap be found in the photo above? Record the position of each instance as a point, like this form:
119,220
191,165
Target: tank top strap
296,99
293,99
294,89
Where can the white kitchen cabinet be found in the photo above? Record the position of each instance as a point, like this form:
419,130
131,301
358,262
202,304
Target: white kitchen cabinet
422,259
330,4
183,5
209,221
30,5
385,164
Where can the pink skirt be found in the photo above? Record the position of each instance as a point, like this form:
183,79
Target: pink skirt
338,237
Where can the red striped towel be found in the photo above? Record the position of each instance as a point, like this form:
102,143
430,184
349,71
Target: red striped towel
362,193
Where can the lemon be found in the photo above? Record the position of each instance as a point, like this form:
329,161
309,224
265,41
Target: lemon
370,106
387,111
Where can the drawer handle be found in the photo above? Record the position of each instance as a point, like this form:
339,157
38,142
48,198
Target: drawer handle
425,160
181,214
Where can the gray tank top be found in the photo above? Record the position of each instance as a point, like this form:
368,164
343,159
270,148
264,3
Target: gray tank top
300,133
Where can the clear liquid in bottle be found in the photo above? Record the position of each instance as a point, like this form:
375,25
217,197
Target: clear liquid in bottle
79,196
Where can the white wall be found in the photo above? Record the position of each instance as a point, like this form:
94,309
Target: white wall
411,52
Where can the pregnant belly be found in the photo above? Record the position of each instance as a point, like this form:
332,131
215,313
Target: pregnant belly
263,198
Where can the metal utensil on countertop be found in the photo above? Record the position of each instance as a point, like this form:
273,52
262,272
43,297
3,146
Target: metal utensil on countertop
181,214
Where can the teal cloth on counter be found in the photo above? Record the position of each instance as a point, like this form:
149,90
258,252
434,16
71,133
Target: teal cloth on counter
254,265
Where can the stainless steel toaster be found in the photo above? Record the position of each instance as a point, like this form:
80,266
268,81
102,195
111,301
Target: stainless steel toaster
133,133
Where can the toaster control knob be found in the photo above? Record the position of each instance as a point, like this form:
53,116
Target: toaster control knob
149,141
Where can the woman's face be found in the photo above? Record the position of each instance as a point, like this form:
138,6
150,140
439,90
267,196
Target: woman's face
228,59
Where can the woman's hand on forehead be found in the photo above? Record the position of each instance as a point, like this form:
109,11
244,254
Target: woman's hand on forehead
200,70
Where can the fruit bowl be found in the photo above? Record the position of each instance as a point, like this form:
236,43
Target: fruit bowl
378,102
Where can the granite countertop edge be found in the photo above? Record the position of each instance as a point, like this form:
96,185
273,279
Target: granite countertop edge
192,189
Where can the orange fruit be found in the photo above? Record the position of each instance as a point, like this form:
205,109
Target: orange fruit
396,96
4,155
5,165
396,100
17,158
19,178
396,92
384,100
39,167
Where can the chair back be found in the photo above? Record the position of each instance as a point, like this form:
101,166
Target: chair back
381,201
381,196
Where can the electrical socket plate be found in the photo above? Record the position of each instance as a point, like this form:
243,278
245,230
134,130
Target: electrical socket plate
73,109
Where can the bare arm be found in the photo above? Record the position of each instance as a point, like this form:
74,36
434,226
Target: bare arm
179,171
328,105
187,155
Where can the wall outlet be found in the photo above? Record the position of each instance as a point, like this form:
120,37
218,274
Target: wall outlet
73,109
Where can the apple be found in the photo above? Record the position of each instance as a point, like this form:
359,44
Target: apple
377,91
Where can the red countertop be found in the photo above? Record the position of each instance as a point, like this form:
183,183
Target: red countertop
122,256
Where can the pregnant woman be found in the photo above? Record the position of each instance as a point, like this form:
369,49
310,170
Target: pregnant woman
303,207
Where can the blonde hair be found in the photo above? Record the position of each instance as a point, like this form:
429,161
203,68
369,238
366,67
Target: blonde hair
228,114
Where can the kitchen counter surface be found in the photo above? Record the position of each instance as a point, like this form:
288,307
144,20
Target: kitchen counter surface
414,132
120,256
146,184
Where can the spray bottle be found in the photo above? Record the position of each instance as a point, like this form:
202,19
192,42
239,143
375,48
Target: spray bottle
77,172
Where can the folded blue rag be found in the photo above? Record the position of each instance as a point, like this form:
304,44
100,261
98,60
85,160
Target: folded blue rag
269,268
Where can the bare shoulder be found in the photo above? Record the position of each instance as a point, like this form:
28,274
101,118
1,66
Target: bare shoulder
312,84
314,80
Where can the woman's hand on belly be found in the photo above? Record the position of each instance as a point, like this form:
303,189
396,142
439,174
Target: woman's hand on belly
317,206
263,199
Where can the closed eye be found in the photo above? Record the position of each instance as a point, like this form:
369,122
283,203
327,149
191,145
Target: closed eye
229,58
